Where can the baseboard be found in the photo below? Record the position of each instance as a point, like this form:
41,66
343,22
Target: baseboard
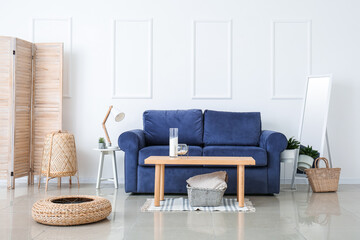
93,180
305,181
297,181
349,181
3,182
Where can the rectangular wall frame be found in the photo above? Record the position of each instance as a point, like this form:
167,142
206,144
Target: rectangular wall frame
30,104
212,49
290,58
133,59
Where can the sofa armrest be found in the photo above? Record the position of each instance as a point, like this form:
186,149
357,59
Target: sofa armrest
273,141
131,142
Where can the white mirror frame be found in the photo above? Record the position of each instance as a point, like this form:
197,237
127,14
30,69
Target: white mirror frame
324,133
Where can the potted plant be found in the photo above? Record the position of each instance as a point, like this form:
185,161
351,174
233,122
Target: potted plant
101,143
291,150
306,157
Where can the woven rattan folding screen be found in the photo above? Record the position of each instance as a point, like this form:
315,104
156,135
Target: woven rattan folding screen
30,104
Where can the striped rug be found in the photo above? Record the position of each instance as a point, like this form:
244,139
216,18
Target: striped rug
182,204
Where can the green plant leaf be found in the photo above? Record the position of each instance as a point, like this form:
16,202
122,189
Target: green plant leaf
293,143
309,152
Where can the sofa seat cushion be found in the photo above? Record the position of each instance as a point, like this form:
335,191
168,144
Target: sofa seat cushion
259,154
164,151
232,128
157,124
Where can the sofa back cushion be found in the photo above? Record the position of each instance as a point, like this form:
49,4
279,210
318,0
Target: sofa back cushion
158,122
232,128
258,153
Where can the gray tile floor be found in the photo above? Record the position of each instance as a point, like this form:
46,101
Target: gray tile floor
288,215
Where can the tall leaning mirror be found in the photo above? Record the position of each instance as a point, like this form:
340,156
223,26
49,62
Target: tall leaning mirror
314,117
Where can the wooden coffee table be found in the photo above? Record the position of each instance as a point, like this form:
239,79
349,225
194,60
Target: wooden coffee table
161,161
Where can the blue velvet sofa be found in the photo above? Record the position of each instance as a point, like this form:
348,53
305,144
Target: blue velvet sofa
212,133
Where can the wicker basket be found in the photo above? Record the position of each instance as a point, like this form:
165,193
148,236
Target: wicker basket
59,156
71,210
323,179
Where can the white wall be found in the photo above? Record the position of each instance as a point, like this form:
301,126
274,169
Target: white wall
241,49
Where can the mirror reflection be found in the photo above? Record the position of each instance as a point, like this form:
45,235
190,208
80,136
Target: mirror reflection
313,129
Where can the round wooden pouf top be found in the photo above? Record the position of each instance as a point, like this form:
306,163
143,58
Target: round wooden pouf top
71,210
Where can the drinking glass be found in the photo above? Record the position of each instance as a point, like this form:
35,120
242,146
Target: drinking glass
173,142
183,149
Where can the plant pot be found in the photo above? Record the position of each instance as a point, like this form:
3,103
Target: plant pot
305,162
288,155
101,145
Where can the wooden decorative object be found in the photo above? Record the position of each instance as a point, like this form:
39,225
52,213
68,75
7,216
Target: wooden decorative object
118,116
30,103
71,210
59,157
6,76
47,98
22,83
104,125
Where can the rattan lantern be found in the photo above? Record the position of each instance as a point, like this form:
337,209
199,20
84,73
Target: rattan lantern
59,157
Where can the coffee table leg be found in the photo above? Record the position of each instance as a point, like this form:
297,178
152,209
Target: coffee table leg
237,185
162,177
157,185
240,185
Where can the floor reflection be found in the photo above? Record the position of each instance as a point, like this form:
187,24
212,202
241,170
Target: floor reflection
114,194
318,208
288,215
200,224
322,206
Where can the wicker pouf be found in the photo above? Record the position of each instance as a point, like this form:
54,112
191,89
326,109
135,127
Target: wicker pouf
59,156
71,210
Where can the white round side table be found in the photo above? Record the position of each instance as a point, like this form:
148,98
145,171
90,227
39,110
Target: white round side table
103,152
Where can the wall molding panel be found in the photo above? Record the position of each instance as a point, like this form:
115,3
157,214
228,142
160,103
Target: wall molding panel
133,56
291,50
212,59
49,30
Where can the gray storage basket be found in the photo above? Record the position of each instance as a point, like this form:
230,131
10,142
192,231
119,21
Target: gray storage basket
201,197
